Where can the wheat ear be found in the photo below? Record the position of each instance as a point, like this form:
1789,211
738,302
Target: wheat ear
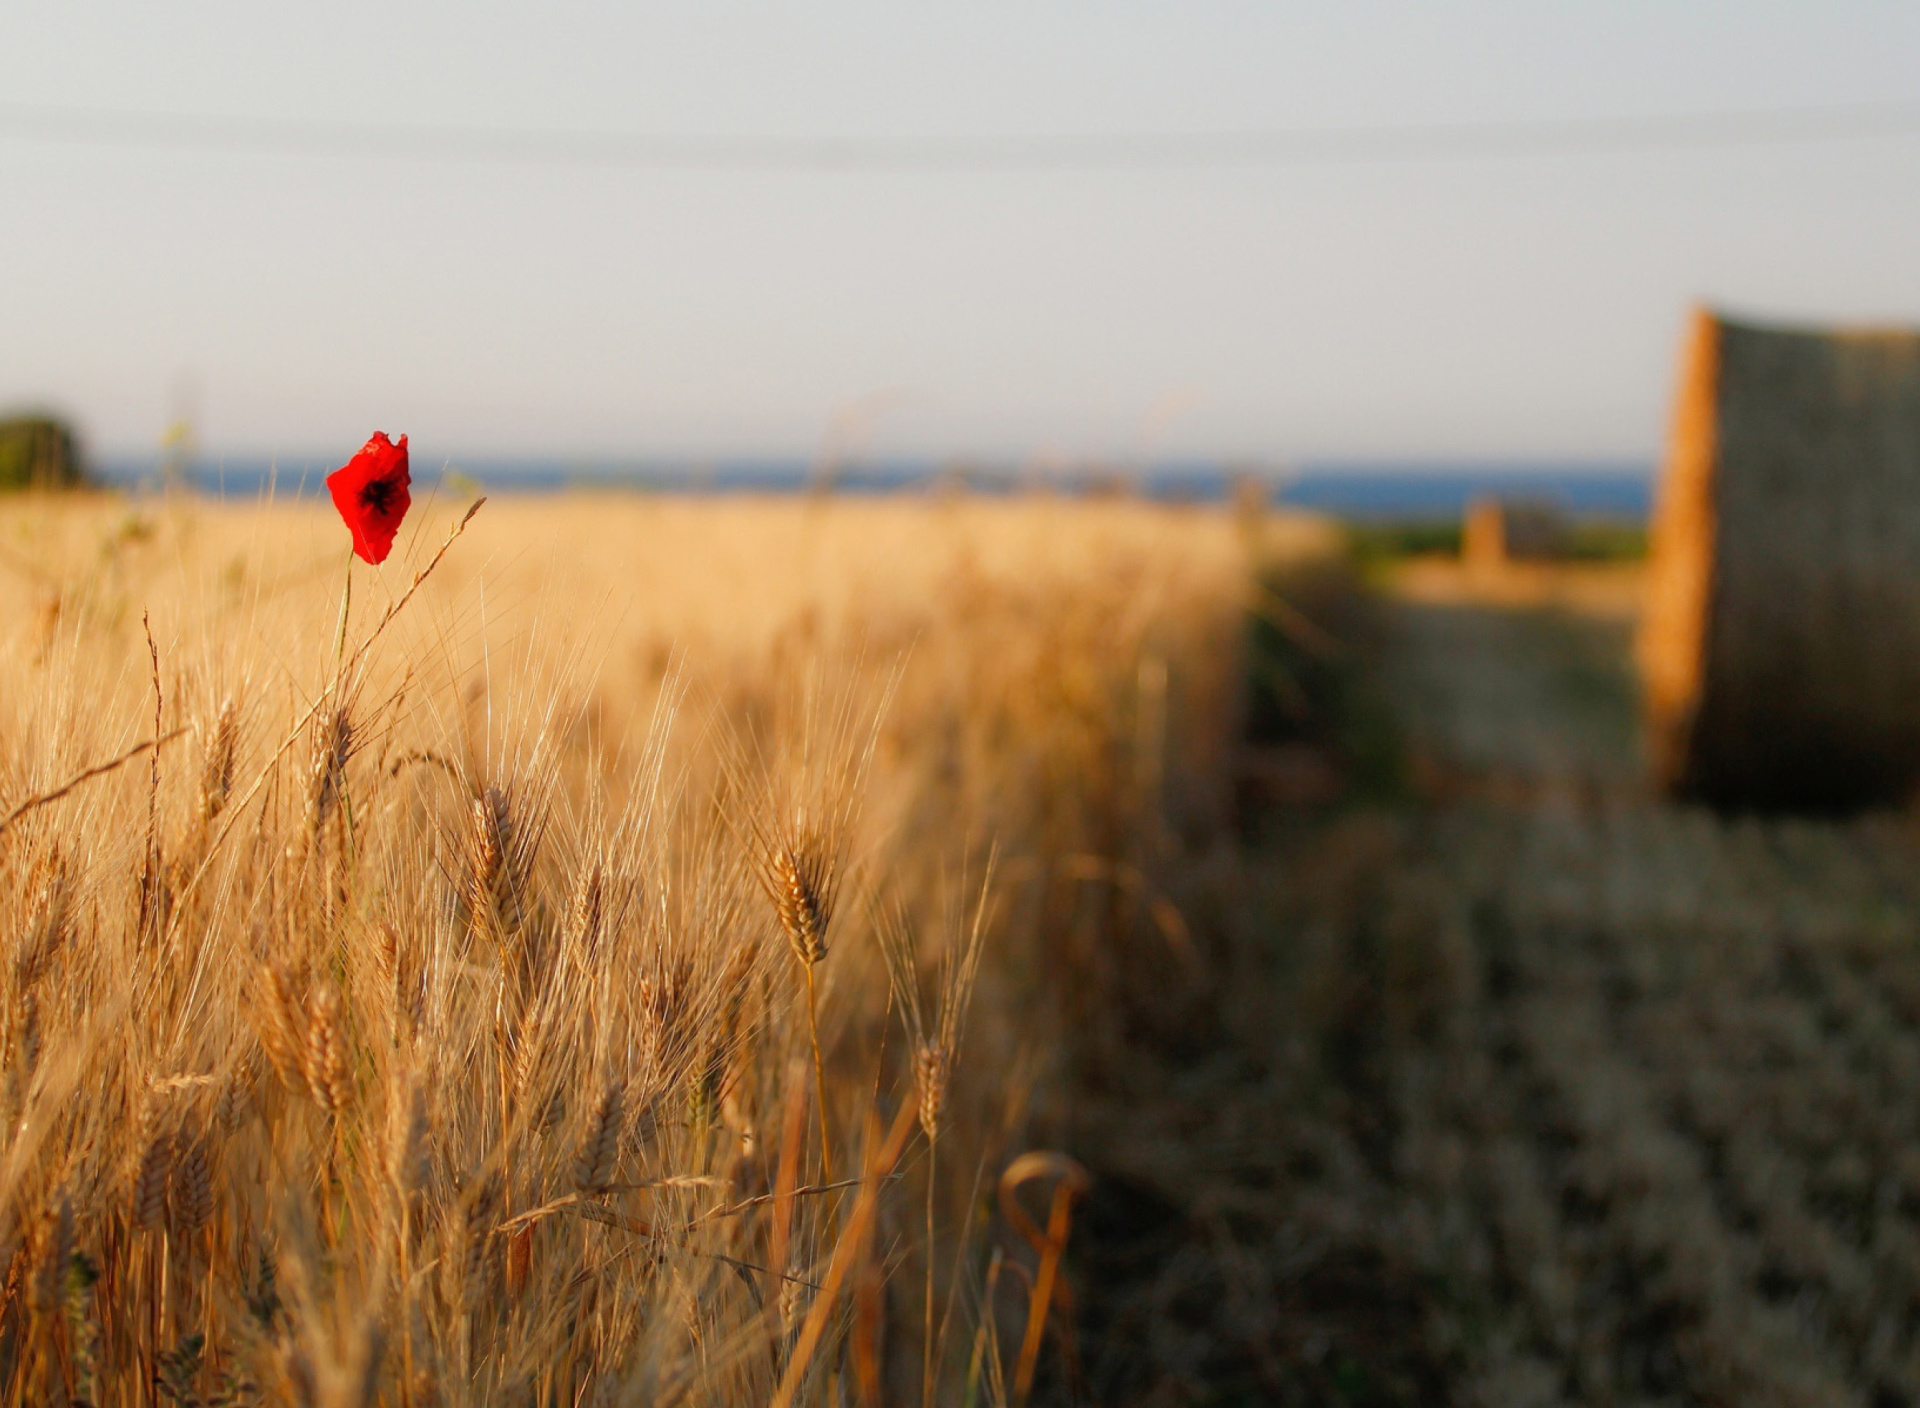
801,882
599,1151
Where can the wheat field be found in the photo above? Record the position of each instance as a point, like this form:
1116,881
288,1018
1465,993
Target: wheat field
619,956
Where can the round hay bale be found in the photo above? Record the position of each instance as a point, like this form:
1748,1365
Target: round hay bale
1780,645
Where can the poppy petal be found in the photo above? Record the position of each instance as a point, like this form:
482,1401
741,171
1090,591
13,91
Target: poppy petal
371,493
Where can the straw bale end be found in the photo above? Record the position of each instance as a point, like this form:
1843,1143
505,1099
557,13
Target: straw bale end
1780,646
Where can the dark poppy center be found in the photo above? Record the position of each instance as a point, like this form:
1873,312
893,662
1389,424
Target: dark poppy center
377,495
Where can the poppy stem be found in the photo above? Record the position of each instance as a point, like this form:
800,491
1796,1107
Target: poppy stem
340,632
339,685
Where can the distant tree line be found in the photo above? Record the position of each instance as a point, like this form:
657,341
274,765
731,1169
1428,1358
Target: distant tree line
39,452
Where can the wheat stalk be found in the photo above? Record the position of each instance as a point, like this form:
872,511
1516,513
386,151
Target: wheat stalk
934,1049
800,874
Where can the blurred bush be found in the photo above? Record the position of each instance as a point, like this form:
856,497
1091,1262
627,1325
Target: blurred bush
39,452
1374,544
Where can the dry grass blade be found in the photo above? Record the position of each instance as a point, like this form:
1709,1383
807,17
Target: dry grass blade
1070,1180
85,775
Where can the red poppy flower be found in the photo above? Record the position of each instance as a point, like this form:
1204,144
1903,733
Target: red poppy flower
370,490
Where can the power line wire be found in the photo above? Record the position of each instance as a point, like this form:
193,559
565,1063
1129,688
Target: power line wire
208,133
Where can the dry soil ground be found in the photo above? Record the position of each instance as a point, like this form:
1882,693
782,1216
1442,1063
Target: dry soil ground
1525,1088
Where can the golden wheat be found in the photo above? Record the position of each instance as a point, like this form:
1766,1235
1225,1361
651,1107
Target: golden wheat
496,869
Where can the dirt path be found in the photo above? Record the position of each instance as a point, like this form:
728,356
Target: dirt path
1531,1090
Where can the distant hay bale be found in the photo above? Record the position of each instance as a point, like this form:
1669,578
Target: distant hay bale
1780,646
1497,531
38,452
1483,536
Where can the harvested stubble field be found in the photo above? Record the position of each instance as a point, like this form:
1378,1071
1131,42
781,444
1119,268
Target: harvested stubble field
1531,1089
552,980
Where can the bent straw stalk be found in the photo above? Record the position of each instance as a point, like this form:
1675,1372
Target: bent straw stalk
1070,1181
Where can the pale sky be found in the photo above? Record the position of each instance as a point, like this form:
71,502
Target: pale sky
1514,306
